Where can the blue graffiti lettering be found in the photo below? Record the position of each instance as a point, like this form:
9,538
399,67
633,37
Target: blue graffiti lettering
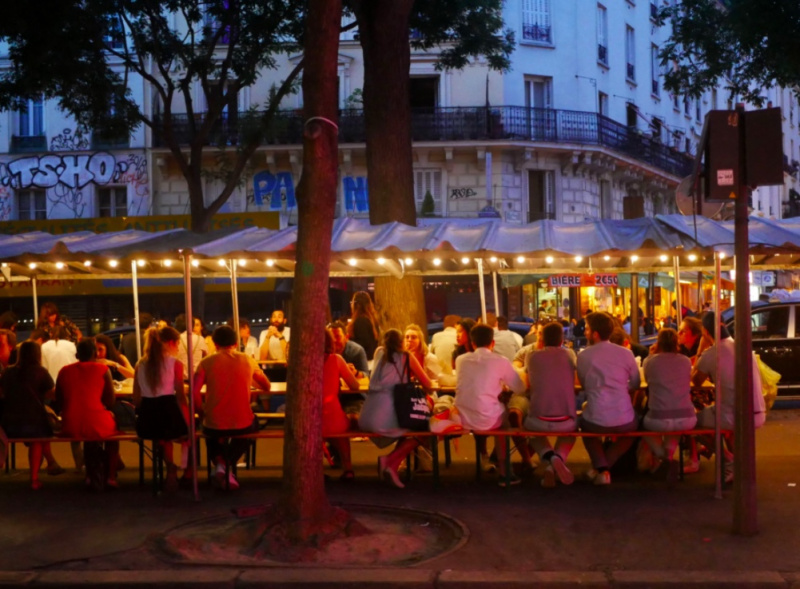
276,188
356,195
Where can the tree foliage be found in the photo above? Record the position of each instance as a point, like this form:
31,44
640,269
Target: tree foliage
747,45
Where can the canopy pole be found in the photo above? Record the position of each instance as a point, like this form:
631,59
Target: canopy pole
35,303
235,297
676,265
135,279
479,262
717,387
187,292
497,310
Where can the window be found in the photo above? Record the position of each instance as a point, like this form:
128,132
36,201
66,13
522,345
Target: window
654,69
771,323
536,22
606,202
114,37
31,118
633,207
424,92
631,115
714,99
213,20
602,103
539,92
656,126
112,201
676,102
602,34
697,115
687,106
540,195
687,145
31,205
428,180
630,54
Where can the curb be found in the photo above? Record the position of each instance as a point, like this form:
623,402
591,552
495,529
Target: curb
389,578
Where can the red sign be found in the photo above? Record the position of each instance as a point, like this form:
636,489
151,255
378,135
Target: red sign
576,280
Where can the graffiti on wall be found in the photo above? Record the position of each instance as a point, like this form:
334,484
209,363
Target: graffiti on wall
462,192
356,194
69,141
275,190
66,178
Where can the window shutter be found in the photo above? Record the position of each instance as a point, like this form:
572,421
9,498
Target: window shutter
633,207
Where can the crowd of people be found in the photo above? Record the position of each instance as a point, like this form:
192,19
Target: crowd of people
501,381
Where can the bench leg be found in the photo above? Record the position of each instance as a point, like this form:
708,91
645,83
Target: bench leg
141,462
681,448
447,458
435,456
478,468
13,456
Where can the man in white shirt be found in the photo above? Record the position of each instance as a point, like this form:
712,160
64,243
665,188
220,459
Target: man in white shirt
608,374
444,343
199,346
506,343
273,342
481,377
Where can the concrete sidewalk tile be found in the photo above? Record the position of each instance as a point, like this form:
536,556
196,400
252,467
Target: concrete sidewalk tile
188,577
15,578
705,579
384,578
539,579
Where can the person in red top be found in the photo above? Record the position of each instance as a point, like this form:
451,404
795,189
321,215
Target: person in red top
334,420
85,395
228,376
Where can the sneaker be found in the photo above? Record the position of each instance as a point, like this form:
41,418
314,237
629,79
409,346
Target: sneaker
514,480
602,478
549,478
233,484
562,470
393,477
691,466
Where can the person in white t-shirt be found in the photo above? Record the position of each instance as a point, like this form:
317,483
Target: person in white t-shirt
273,342
481,378
199,346
58,352
444,343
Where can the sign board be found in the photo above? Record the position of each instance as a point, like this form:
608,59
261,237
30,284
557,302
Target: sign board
578,280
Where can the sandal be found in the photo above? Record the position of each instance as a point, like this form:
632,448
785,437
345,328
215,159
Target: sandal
347,476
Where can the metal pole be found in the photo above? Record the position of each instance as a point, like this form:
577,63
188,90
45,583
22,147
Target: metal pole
136,310
497,309
481,289
187,291
717,386
676,262
235,297
635,307
745,520
35,303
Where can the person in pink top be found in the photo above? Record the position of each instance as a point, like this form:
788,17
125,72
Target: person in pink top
85,395
334,419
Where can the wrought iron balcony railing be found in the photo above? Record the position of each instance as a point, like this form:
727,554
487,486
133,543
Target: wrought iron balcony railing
479,123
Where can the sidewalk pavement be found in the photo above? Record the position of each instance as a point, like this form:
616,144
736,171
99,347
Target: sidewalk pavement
634,533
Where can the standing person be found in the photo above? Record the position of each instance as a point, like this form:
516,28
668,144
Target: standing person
363,327
551,373
86,396
608,374
26,387
706,369
159,397
58,351
199,347
414,344
273,342
334,419
444,343
129,349
481,378
378,414
670,407
228,376
50,319
107,354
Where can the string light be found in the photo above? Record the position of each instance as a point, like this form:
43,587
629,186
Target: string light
32,265
549,259
692,258
634,258
493,259
140,263
60,265
606,258
196,263
270,263
409,261
167,263
243,263
578,259
381,261
520,259
352,261
465,260
437,262
87,263
662,257
113,263
221,262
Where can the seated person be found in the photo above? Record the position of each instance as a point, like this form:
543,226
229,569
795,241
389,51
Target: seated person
481,378
273,342
690,338
334,419
58,351
608,374
506,343
356,359
107,354
444,343
415,345
620,337
199,347
247,343
86,397
551,372
669,398
228,376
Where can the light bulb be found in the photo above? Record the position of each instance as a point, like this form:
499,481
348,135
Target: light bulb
408,261
195,263
520,259
87,263
270,263
113,263
381,261
437,262
60,265
578,259
32,265
549,259
352,261
140,263
493,259
167,263
465,260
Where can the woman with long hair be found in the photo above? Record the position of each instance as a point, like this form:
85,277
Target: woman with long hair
378,414
363,327
463,343
414,342
334,420
108,354
50,319
158,395
26,387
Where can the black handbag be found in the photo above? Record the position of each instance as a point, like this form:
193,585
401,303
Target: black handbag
411,402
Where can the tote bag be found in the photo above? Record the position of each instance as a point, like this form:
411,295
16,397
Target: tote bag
411,403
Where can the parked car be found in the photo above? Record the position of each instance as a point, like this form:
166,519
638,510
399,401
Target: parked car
775,329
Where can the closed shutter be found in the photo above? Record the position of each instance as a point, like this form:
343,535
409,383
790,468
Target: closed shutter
536,12
633,207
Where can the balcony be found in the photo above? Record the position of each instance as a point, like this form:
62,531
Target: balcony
602,54
28,143
478,123
537,33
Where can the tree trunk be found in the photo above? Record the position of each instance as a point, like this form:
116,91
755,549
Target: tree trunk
305,506
384,34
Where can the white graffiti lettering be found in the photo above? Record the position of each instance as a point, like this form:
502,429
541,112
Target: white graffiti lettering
72,171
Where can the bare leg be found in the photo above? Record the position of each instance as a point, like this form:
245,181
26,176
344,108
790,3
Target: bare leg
343,447
35,460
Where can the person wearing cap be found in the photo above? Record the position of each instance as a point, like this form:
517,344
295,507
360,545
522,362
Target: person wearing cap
706,369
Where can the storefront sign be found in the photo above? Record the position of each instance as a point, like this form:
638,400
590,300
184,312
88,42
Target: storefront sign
575,280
